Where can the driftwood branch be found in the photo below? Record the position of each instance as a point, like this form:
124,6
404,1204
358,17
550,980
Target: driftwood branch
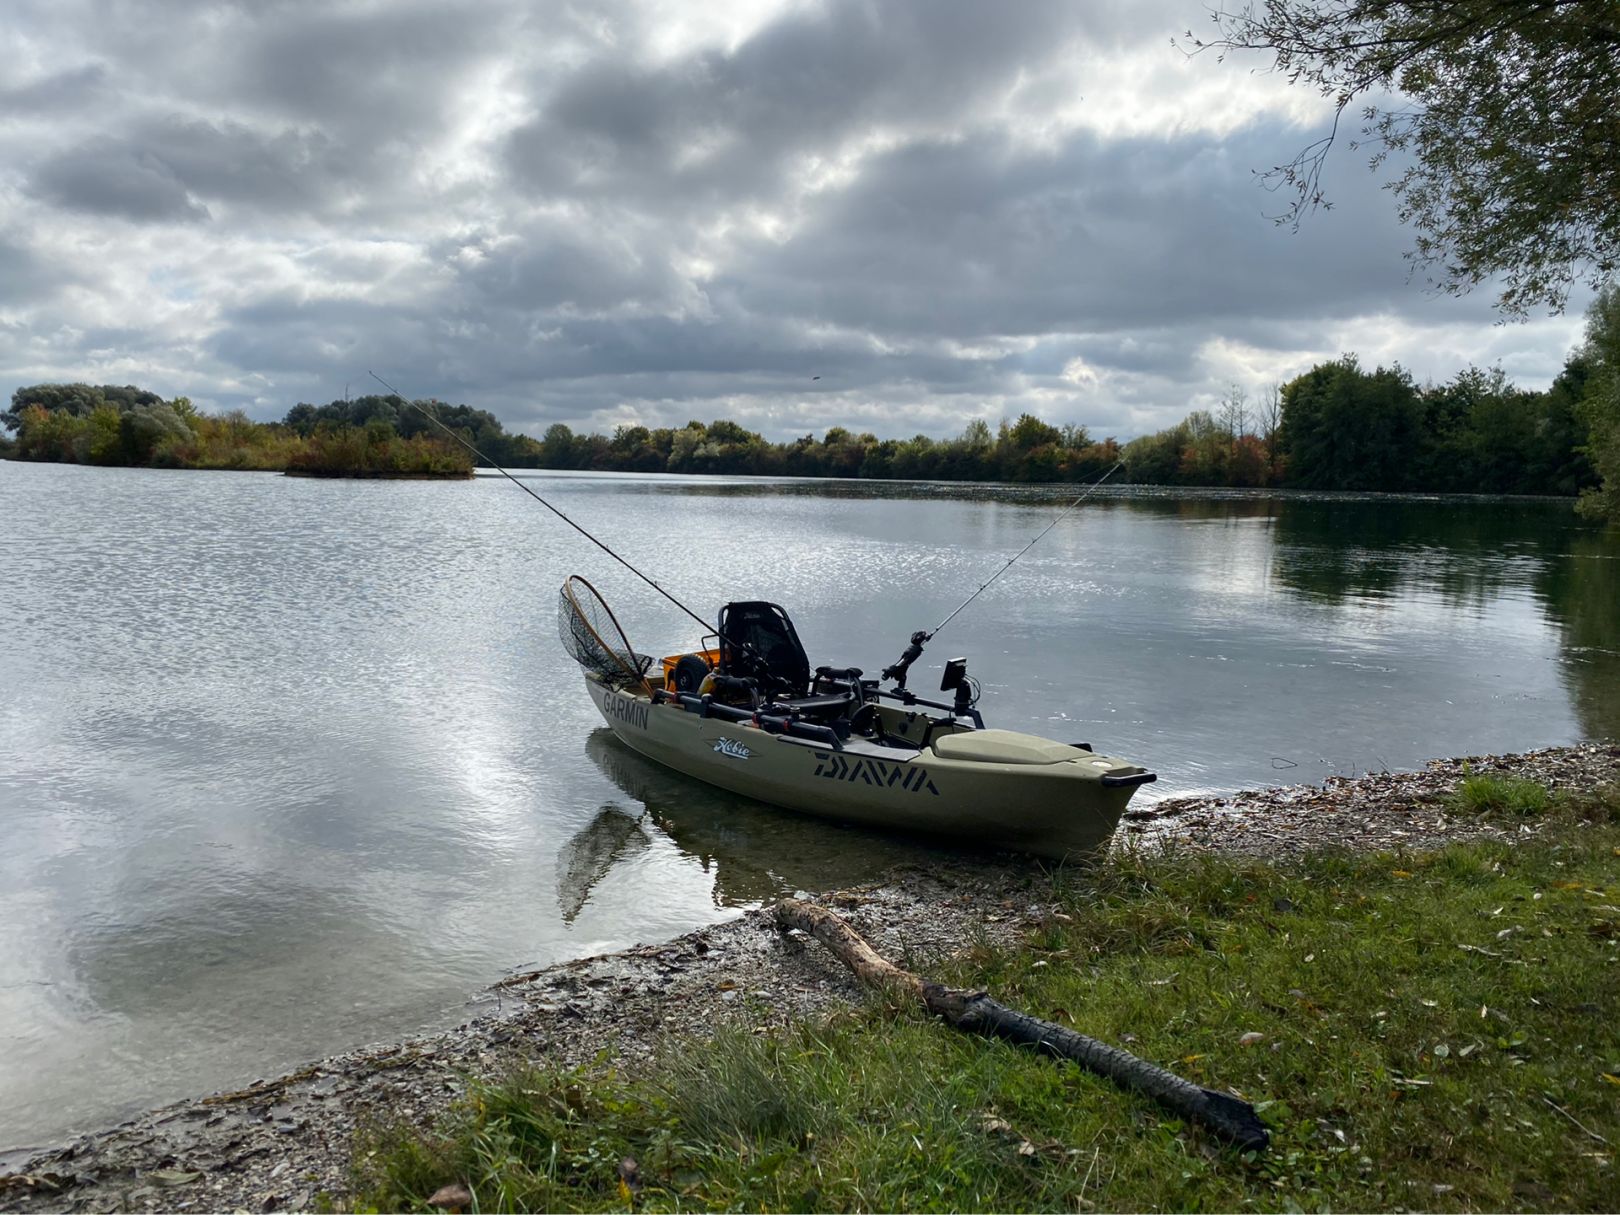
975,1012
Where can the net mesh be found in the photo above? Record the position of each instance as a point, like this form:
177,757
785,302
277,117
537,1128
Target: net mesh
593,637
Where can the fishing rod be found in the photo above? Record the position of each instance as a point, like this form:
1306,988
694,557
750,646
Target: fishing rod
921,637
447,430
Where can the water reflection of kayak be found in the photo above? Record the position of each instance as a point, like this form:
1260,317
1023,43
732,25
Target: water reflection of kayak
755,853
587,855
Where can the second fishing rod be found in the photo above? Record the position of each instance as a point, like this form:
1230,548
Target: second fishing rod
896,671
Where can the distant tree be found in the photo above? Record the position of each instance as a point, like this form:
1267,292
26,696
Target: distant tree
1600,404
78,400
683,446
362,411
976,436
877,461
102,439
1270,423
478,426
726,431
557,447
1207,450
1560,464
842,454
51,435
143,429
301,418
128,396
1249,464
629,438
1234,412
802,457
1156,459
1029,432
1447,458
1076,437
1345,428
916,459
1502,426
1500,113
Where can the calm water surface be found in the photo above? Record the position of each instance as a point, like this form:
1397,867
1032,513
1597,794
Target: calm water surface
287,766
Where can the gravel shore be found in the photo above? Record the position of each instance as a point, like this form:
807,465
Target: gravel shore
280,1144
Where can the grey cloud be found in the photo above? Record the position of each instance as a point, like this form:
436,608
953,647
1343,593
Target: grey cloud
1127,255
171,168
732,122
24,276
578,268
61,91
977,236
288,171
285,108
281,334
105,177
383,73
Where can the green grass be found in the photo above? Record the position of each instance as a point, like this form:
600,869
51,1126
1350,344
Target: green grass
1501,795
1434,1027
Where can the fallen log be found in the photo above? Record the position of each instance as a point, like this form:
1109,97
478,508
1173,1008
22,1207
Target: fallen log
977,1013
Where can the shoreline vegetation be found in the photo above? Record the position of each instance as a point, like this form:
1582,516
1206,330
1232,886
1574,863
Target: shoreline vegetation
1411,976
1337,427
127,426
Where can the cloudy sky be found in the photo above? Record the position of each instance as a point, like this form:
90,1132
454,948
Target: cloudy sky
605,211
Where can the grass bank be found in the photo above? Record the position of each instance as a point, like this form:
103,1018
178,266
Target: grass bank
1431,1031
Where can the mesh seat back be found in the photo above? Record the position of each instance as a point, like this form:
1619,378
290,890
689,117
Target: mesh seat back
757,641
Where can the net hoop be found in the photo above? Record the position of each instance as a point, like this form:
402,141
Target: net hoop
593,638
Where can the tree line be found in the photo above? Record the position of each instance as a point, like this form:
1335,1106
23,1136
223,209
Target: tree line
131,427
1342,427
1337,427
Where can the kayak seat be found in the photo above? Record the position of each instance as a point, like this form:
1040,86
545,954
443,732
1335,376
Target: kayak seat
758,642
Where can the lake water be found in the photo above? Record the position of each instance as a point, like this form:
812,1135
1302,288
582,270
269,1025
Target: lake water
287,765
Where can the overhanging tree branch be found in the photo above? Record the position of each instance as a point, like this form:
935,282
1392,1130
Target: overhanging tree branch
1506,109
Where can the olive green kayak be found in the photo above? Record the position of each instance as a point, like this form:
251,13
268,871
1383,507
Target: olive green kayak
749,715
997,788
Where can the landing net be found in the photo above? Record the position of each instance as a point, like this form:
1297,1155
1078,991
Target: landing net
593,637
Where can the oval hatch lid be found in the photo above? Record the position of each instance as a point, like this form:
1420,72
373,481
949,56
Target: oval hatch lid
1004,747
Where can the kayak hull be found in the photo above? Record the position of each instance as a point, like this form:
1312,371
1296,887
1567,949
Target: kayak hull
1047,799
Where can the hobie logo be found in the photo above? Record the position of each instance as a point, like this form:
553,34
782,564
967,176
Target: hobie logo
733,748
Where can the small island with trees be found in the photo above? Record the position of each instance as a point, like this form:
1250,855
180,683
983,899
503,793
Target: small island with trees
130,427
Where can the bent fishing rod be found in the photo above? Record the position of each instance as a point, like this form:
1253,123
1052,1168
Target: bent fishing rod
921,637
896,672
554,510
